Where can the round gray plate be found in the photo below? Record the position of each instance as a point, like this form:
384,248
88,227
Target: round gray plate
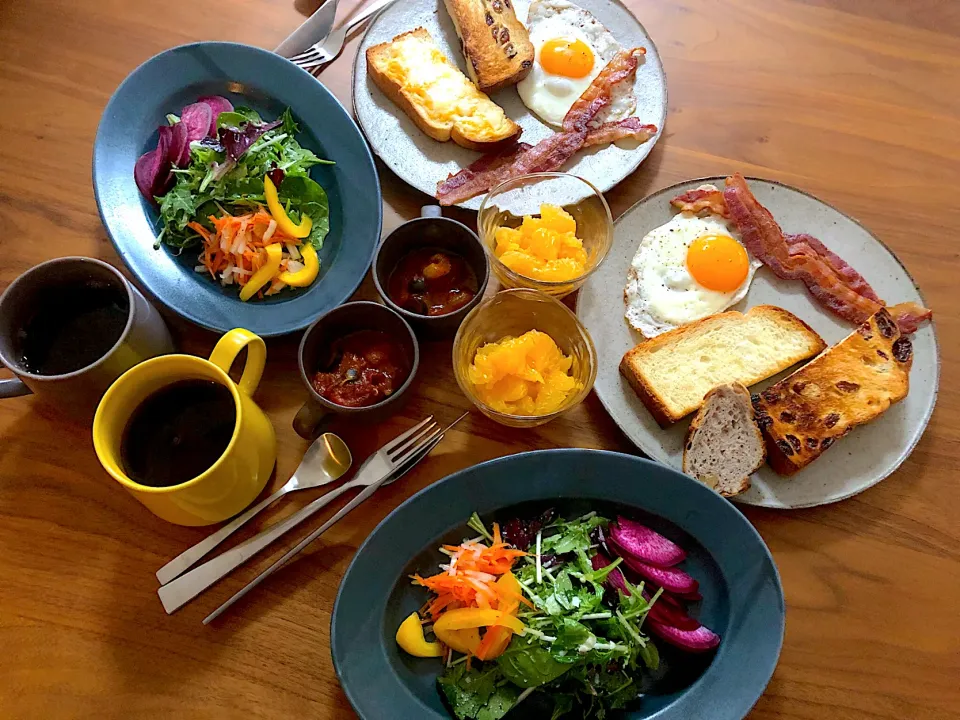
423,162
863,458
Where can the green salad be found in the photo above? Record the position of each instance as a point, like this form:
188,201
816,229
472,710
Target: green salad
559,616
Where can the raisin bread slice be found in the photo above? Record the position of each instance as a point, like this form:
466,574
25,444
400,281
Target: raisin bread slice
847,385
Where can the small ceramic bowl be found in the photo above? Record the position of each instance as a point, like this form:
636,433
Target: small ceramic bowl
433,231
316,346
514,312
508,203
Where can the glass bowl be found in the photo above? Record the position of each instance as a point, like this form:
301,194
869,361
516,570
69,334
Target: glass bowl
506,205
514,312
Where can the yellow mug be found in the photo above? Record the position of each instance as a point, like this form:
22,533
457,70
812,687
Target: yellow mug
243,469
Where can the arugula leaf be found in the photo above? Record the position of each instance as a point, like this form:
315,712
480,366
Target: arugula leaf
570,636
562,704
477,694
527,664
306,197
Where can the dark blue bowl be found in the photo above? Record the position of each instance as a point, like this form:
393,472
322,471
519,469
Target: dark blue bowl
268,83
742,596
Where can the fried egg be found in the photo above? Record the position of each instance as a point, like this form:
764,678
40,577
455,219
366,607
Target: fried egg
571,48
685,270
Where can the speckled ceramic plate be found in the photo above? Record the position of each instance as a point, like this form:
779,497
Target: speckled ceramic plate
423,162
742,595
864,457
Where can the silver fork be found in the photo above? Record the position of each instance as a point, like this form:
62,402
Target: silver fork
374,471
419,455
331,46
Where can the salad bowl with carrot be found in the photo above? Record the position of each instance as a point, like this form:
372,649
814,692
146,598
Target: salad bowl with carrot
236,188
559,584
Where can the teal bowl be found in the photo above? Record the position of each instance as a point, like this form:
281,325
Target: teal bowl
742,596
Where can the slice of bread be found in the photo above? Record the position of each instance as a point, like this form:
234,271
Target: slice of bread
413,72
672,372
724,445
494,43
850,384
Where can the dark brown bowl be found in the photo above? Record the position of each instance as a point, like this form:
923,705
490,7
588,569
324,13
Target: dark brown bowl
340,321
431,230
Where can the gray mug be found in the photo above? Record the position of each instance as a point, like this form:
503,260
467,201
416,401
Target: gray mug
77,391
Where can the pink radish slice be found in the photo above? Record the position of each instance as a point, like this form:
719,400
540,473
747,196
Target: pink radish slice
145,172
691,596
669,615
179,153
197,119
671,600
670,579
645,545
163,178
615,579
700,640
218,104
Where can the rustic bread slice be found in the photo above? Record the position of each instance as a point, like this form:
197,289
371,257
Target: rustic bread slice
724,445
495,44
672,372
413,72
850,384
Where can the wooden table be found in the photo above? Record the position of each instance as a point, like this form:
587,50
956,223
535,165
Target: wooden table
856,101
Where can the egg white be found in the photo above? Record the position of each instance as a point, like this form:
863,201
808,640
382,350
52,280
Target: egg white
660,294
551,96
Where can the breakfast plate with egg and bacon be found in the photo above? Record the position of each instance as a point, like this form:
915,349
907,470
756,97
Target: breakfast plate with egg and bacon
460,96
762,341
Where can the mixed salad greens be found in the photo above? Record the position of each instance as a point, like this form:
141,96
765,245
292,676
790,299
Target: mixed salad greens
239,189
559,615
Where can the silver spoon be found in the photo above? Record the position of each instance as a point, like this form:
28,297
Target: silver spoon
325,461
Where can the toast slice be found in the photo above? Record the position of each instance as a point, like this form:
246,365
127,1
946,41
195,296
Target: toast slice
724,446
850,384
672,372
495,44
413,72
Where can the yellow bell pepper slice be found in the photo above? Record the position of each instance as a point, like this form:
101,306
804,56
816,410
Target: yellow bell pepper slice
464,618
465,641
266,272
284,223
410,638
311,268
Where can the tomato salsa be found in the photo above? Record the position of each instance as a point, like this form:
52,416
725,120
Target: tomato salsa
367,367
428,281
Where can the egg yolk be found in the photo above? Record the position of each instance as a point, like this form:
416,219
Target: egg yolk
524,375
718,262
543,248
569,58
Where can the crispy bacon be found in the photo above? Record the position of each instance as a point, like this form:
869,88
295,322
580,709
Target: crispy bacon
700,199
550,153
909,315
611,132
826,277
598,95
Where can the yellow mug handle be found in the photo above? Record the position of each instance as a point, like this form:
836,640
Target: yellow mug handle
230,345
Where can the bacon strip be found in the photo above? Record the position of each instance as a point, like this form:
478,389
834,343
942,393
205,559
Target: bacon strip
550,153
825,278
611,132
909,315
695,201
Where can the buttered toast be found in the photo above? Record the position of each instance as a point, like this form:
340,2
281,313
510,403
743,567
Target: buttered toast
415,74
850,384
672,372
495,44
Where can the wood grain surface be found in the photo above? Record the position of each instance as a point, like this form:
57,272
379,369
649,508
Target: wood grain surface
856,101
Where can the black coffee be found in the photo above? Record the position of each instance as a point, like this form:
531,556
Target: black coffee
72,327
178,433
